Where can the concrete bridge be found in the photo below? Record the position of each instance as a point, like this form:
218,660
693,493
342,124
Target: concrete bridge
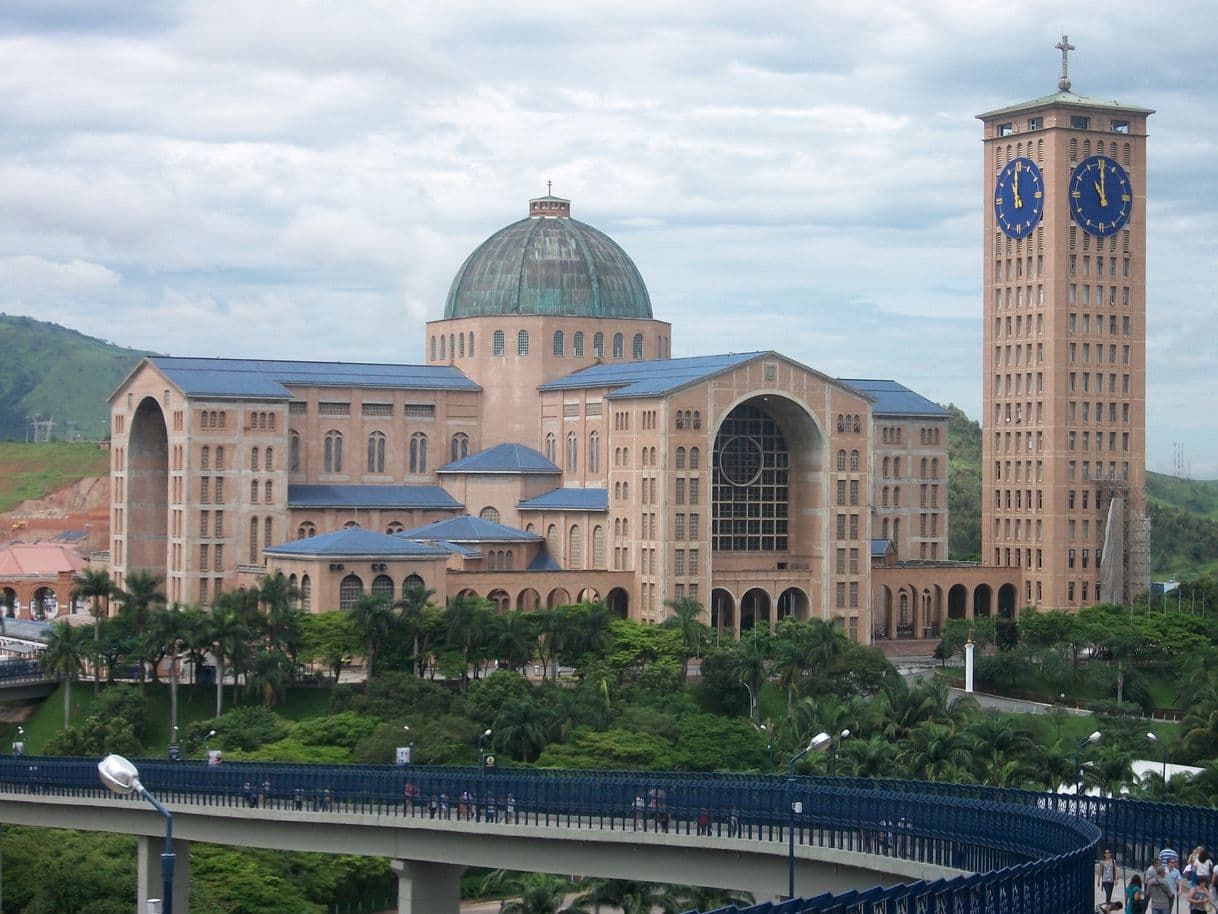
723,831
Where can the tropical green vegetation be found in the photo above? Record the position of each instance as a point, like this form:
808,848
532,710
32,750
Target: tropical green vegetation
30,471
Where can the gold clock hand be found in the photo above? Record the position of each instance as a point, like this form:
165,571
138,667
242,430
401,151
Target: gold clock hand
1015,185
1099,186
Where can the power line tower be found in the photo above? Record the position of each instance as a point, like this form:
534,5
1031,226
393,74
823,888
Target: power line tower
1125,563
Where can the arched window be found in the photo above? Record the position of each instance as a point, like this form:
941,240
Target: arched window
637,351
443,353
693,458
854,461
575,548
471,344
382,586
598,346
268,533
492,560
594,452
558,343
697,419
253,491
253,458
394,528
552,544
269,455
459,447
332,456
306,593
489,513
507,560
841,422
349,591
884,529
887,465
577,345
858,424
268,491
572,452
934,468
644,456
619,345
452,346
497,343
376,453
680,458
253,541
305,530
433,348
294,452
205,458
922,468
598,547
884,497
522,342
418,453
461,343
551,448
653,457
841,461
412,582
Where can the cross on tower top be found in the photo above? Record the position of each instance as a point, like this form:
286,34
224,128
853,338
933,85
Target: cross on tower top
549,184
1065,47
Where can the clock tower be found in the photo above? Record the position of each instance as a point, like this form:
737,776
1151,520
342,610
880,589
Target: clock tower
1064,363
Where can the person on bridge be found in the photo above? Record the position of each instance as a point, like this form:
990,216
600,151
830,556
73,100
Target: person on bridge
1105,875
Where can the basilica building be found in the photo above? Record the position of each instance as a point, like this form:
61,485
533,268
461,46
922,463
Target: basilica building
549,451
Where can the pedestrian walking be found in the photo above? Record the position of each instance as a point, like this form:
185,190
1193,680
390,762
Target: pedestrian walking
1105,875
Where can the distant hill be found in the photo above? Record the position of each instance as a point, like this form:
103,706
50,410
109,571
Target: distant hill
964,486
58,374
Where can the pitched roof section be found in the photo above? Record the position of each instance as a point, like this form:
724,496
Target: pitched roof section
503,458
879,548
356,541
569,500
469,529
265,378
893,399
40,560
1065,98
544,562
315,496
652,378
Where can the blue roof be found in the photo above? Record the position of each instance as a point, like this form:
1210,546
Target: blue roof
469,529
893,399
880,548
649,379
267,377
314,496
356,541
569,500
544,562
502,458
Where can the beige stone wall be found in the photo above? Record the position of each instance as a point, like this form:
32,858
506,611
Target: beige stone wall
910,469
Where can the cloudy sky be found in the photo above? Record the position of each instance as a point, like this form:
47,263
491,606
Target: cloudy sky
301,180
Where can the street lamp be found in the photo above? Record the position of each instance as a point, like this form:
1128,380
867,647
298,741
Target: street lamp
122,777
410,746
206,749
19,742
1078,758
481,752
817,742
1154,739
175,751
768,729
837,742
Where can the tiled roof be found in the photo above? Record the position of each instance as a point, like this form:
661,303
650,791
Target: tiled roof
879,548
544,562
469,529
502,458
569,500
893,399
1066,98
648,379
315,496
356,541
266,377
40,560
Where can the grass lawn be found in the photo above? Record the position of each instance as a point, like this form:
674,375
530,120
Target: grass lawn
36,470
299,704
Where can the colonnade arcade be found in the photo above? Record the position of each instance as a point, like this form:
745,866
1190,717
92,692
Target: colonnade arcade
918,608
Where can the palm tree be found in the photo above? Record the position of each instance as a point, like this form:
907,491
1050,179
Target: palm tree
516,639
868,758
936,752
631,897
226,635
64,656
412,610
1111,769
95,585
140,596
280,619
540,893
373,619
468,623
168,629
1000,750
552,632
520,729
694,633
269,675
752,660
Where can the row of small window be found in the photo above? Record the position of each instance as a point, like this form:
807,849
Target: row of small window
1072,383
1005,243
1022,469
574,558
370,410
1072,353
1073,296
890,468
1073,412
846,595
332,452
929,496
1004,153
1083,325
847,526
1015,355
572,451
1003,442
211,558
853,565
688,419
212,419
1014,297
1005,384
1083,441
351,589
679,565
849,422
267,537
1019,502
1099,266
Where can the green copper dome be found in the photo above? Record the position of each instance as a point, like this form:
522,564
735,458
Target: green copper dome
549,263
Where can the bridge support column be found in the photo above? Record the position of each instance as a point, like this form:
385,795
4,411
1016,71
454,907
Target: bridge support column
149,881
428,888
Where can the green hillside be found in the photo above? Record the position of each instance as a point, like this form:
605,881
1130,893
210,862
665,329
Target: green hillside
964,485
57,373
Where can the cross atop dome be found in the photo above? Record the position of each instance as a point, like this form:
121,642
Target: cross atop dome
1065,47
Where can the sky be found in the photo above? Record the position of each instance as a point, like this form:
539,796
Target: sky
302,179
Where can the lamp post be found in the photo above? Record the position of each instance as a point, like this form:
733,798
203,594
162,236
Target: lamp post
410,745
207,749
1154,739
122,777
175,751
768,729
837,742
481,751
19,742
1078,758
817,742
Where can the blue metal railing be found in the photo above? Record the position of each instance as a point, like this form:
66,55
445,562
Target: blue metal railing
15,671
1028,852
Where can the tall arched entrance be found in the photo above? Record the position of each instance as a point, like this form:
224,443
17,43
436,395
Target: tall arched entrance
793,602
147,528
754,609
618,603
723,611
1006,601
983,598
957,602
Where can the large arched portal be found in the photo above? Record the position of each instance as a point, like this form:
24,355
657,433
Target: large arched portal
754,608
1006,601
723,611
558,597
983,598
8,602
764,447
793,602
147,527
618,603
957,602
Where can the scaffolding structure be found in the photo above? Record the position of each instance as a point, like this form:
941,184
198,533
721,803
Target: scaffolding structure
1125,565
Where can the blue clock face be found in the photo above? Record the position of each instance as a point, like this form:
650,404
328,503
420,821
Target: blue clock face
1019,198
1101,196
